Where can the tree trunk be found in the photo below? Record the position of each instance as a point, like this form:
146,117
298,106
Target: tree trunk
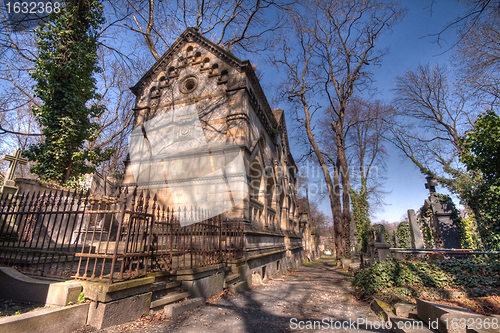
334,198
337,217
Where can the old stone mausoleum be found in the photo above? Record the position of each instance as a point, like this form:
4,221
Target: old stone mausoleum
204,136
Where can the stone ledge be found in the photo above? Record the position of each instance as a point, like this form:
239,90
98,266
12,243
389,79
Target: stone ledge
106,292
173,310
405,310
169,299
441,314
260,255
16,285
102,315
381,308
404,325
238,287
197,270
62,319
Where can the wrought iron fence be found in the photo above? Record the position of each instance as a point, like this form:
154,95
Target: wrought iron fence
70,234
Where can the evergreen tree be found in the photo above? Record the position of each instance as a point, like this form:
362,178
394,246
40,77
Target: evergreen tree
66,62
481,155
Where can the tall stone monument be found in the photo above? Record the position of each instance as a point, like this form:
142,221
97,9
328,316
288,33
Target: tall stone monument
444,229
417,241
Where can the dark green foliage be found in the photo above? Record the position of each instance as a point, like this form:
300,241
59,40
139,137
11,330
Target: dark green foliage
425,220
396,273
360,211
481,155
376,228
67,60
403,233
414,275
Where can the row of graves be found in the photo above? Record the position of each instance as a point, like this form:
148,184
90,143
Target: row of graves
441,228
208,200
433,234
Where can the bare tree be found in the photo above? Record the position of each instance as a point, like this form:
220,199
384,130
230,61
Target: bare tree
336,42
236,25
366,125
433,114
478,54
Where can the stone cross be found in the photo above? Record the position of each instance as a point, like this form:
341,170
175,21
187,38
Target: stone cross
14,161
431,184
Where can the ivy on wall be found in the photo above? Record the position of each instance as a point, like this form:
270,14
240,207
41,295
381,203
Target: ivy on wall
403,233
425,221
466,226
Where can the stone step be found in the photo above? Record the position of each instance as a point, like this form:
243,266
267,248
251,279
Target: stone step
173,310
446,318
168,299
238,287
231,278
158,286
405,325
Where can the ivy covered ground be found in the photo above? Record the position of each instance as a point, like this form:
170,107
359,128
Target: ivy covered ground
472,283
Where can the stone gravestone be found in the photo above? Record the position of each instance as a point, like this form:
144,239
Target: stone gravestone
382,247
9,186
444,229
417,241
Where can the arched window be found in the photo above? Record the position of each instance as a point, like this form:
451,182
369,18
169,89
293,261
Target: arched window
197,56
215,68
223,76
163,81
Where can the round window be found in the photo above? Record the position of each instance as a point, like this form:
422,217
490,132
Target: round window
188,84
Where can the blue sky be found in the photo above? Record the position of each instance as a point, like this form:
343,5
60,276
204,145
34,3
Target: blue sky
409,45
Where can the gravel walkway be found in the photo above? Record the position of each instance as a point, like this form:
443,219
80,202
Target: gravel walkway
291,303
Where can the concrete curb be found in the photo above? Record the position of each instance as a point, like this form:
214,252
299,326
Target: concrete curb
64,320
173,310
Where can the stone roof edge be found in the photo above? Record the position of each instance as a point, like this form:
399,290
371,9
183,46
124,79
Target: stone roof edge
191,34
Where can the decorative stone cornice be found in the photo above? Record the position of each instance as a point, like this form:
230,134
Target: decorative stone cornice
192,35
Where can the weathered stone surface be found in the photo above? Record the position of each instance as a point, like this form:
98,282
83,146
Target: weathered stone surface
405,325
173,310
63,293
167,299
442,317
483,330
238,287
417,241
346,262
382,309
50,320
16,285
444,227
383,251
405,310
103,315
207,286
256,279
107,292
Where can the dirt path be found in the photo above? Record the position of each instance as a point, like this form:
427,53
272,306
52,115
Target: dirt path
318,292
